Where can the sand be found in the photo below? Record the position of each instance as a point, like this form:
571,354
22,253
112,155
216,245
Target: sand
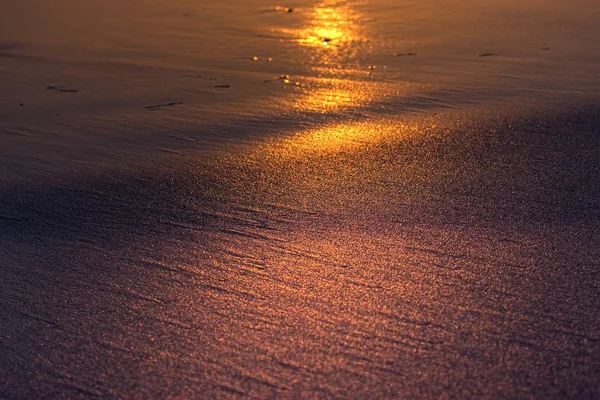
348,200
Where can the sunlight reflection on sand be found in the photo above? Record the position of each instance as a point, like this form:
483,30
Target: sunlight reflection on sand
332,37
350,136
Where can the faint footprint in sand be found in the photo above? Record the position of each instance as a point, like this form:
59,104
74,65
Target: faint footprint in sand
160,106
210,78
11,46
62,89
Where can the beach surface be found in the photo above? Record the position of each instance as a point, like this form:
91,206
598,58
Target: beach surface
324,199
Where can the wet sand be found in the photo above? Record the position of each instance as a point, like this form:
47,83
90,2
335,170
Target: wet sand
376,230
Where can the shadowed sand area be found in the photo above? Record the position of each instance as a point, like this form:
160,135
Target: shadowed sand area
328,199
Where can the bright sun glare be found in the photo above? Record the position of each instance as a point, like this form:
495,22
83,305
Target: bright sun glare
332,37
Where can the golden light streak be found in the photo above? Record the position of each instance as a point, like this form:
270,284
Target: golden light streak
347,137
332,38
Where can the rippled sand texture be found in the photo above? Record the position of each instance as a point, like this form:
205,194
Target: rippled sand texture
341,200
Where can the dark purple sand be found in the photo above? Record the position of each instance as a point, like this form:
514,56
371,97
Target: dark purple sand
462,263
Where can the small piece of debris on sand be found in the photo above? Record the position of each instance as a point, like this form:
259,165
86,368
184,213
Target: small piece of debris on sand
487,55
285,79
404,54
256,58
279,78
222,86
